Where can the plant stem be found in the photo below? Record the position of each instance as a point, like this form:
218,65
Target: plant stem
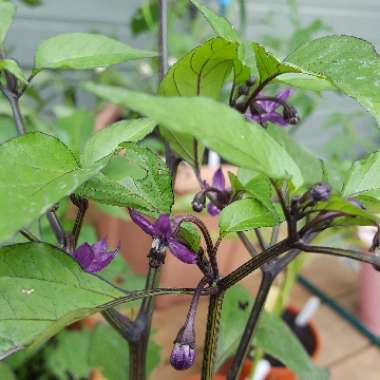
56,226
247,244
212,334
15,107
163,37
250,327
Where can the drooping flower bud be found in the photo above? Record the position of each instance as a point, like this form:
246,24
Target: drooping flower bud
251,81
290,115
199,201
320,192
182,356
243,90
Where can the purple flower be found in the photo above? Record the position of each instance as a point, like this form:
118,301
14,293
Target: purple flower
265,110
182,356
222,194
93,258
163,235
320,192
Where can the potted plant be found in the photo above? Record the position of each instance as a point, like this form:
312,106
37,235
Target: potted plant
46,286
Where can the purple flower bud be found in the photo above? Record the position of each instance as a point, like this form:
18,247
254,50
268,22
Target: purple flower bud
251,81
290,115
320,192
93,258
199,201
182,356
243,90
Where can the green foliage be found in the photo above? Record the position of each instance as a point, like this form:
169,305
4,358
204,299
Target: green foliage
108,140
103,349
247,214
272,335
7,12
6,372
46,172
43,289
12,67
350,63
212,125
82,51
137,179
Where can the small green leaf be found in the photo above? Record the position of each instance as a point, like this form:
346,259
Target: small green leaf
12,67
43,289
7,12
36,171
108,140
138,179
189,233
363,176
82,51
247,214
350,63
221,25
217,126
272,335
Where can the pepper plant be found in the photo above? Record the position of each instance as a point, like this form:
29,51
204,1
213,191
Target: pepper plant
45,287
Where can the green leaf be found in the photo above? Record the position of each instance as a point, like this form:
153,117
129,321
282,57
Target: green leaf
309,165
36,171
247,214
219,127
67,363
221,25
43,289
102,348
306,82
6,372
350,63
189,233
109,352
272,335
202,72
138,179
363,176
12,67
82,51
75,130
108,140
7,12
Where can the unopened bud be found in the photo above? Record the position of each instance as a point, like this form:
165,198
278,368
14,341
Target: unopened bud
243,90
199,201
290,115
182,356
320,192
251,81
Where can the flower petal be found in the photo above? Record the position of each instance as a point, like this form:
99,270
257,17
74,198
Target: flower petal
284,94
100,246
218,180
212,209
162,226
181,252
84,256
142,222
276,118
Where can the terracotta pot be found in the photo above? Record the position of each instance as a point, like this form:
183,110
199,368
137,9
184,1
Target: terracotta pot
279,373
216,377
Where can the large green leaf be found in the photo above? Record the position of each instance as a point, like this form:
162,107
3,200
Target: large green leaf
36,171
364,176
107,140
138,179
310,165
350,63
272,335
214,124
202,72
84,51
43,289
7,12
247,214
